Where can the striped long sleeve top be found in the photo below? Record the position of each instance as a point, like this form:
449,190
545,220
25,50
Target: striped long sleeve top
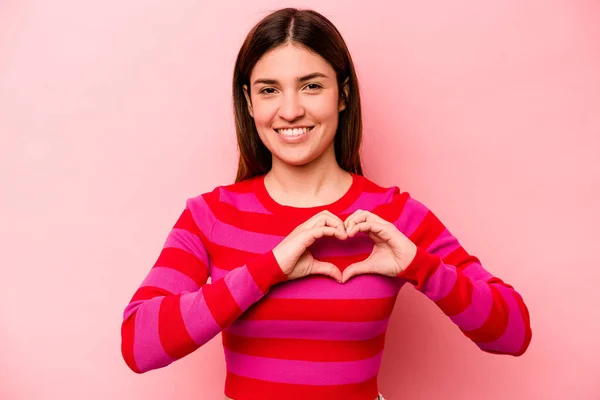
309,338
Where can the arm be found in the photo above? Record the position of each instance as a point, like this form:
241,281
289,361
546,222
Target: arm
487,310
175,311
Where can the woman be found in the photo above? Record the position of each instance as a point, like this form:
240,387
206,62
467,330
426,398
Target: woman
306,256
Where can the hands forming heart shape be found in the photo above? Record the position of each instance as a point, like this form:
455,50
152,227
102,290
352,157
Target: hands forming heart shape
392,251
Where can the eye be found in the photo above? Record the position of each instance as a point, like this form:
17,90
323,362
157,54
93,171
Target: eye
313,86
267,90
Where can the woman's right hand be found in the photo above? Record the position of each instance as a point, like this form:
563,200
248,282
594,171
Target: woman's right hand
292,253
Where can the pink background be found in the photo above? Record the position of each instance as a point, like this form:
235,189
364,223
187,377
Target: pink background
113,113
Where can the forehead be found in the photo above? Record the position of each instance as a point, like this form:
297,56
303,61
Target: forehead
290,61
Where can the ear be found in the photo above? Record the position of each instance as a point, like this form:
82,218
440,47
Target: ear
248,101
344,98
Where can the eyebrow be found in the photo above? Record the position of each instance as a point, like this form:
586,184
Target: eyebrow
300,80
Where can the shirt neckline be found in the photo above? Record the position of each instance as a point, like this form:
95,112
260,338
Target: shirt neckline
335,207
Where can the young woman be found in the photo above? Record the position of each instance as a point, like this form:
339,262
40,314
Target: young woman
306,256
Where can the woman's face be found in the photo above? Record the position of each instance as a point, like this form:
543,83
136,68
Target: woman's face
294,100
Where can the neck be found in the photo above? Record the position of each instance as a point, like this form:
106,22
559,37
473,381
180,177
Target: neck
317,183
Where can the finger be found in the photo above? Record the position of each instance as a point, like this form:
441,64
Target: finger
330,216
326,268
321,231
362,226
359,268
309,237
329,213
349,222
325,219
371,216
328,219
329,231
375,228
362,216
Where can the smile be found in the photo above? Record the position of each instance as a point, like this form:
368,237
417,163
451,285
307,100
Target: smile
295,131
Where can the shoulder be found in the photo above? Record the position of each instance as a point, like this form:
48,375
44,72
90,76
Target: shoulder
381,194
236,195
224,192
392,201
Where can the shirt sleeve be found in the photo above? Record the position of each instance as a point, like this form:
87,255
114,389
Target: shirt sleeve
487,310
175,311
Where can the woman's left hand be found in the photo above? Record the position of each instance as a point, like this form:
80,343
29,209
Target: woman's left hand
392,251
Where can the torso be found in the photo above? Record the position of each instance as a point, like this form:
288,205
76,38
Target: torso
310,331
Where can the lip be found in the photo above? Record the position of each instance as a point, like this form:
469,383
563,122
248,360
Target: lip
294,139
294,127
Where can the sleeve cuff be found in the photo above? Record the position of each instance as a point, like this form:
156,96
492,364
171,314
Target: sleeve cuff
265,271
420,268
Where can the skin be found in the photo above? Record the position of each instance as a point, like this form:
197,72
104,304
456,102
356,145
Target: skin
305,173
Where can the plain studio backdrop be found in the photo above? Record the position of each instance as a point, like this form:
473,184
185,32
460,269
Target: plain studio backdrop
113,113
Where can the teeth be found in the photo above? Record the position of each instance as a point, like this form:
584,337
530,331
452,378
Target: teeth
293,132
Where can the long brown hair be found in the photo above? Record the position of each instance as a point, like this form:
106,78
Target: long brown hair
316,33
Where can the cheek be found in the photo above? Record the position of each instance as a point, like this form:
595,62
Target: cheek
264,114
323,108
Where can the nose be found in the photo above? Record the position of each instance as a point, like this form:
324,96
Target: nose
290,107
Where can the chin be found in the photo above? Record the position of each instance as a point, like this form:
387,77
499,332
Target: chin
300,154
296,161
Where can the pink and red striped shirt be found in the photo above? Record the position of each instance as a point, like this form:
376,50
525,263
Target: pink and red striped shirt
310,338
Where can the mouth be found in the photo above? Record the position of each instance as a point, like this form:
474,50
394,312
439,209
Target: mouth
294,132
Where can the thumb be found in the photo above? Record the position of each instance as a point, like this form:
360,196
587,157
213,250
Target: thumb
326,268
359,268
